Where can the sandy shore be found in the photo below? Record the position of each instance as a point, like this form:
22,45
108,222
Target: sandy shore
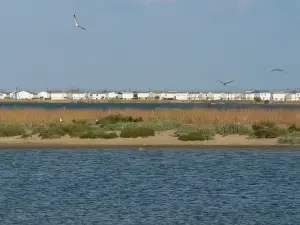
161,140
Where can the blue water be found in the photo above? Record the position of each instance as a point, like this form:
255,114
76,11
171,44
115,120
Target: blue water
144,105
155,187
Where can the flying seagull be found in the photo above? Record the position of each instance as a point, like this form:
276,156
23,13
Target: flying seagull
279,70
225,83
77,24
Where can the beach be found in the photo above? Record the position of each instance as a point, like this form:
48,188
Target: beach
162,139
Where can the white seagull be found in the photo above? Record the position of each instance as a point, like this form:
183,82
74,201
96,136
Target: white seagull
77,24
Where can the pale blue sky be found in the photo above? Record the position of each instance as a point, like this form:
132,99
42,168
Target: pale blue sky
156,44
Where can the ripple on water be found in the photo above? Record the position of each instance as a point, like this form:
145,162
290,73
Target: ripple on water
181,186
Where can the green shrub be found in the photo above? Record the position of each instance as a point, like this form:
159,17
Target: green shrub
263,124
202,134
267,129
51,133
95,134
113,119
134,132
206,131
290,139
194,136
80,122
9,130
185,129
232,128
74,129
157,125
55,130
293,128
26,135
113,127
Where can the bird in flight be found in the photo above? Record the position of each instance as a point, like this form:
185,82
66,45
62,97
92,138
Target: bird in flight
77,24
225,83
279,70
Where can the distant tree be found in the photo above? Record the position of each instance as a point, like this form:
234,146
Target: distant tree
156,97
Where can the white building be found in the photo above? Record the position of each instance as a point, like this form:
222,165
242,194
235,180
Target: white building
111,94
126,95
141,95
218,96
20,95
293,96
194,95
249,95
3,95
76,95
278,96
97,95
43,95
174,95
263,95
58,95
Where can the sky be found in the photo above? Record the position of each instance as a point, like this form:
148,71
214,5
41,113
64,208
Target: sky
149,44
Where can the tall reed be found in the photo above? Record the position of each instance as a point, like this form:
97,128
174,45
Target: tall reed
197,116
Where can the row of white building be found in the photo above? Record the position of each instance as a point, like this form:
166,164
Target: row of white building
157,95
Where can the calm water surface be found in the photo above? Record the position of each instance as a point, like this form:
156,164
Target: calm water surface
183,186
226,105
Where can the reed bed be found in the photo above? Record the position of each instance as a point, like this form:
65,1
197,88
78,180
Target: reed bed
196,116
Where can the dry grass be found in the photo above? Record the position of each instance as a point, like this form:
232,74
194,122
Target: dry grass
197,116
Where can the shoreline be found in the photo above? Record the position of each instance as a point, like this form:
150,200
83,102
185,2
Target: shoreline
160,141
39,146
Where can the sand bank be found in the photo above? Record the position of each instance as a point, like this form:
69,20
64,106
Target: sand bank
162,140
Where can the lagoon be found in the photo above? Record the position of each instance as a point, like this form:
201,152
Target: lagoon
152,186
226,105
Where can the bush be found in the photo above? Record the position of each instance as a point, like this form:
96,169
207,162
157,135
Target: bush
233,128
290,139
293,128
267,129
55,130
51,133
113,119
134,132
202,134
185,129
9,130
95,134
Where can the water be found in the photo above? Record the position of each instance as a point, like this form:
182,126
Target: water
155,187
229,105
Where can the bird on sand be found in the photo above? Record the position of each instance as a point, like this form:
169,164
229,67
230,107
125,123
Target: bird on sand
77,24
225,83
279,70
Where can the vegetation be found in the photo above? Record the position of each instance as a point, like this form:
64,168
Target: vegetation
201,134
185,125
134,132
267,129
186,116
233,128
